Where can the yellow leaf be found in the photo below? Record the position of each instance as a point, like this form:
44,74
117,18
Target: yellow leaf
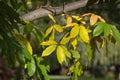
71,25
60,55
49,50
84,34
83,22
29,47
52,18
50,42
102,44
65,40
74,32
24,41
74,43
87,14
67,53
78,18
58,28
52,36
48,31
93,19
69,20
101,19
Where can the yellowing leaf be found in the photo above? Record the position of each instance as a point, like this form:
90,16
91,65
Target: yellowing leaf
69,20
58,28
67,53
49,50
83,22
101,19
29,47
74,32
60,55
71,25
65,40
86,14
52,36
52,18
93,19
50,42
74,43
78,18
26,43
48,31
84,34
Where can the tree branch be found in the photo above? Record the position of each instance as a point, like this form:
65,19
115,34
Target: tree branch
42,12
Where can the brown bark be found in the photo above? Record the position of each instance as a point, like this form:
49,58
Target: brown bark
42,12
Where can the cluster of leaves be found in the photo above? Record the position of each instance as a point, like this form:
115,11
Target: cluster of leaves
97,31
15,44
15,37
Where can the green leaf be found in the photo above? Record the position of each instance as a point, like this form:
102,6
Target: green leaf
31,67
75,54
20,57
74,32
116,33
60,55
98,29
28,28
26,53
39,34
42,68
107,29
44,72
49,50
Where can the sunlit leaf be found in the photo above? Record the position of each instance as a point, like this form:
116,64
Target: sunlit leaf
69,20
48,50
74,32
65,40
52,36
67,53
71,25
93,19
79,68
74,43
58,28
78,18
71,69
60,55
48,31
29,47
87,14
52,18
83,22
50,42
84,34
101,19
